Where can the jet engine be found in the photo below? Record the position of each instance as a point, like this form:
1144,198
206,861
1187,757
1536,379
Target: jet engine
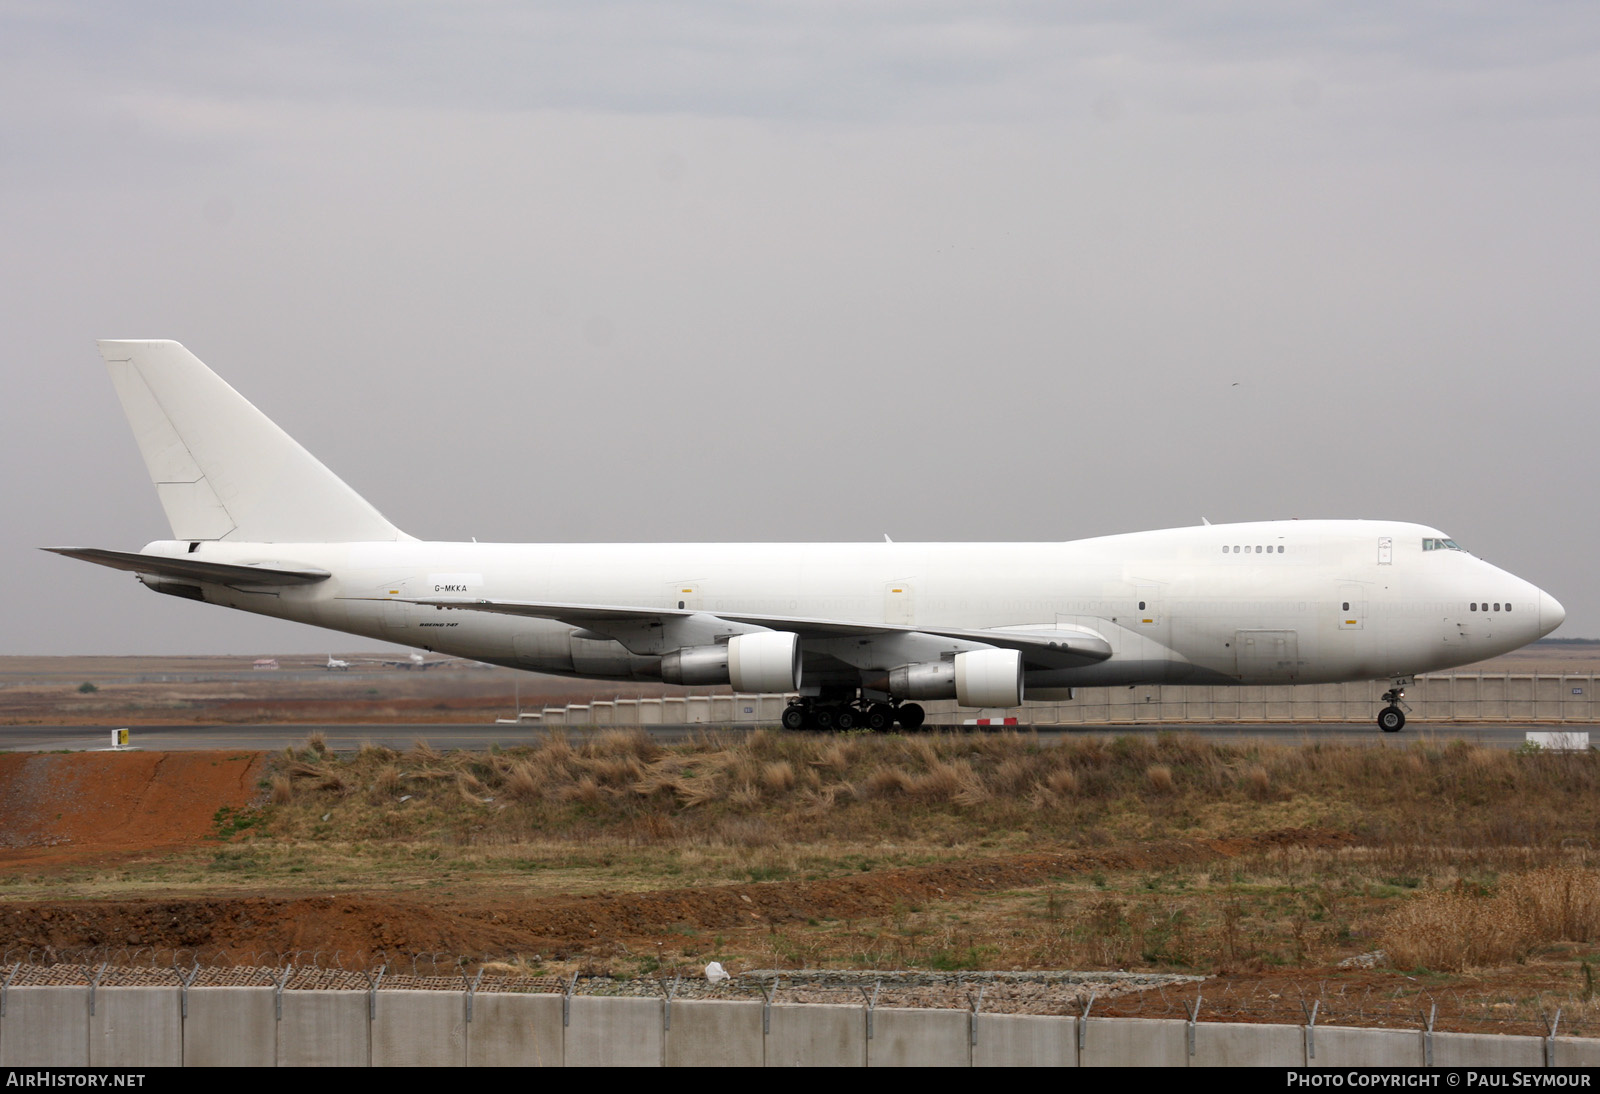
980,678
765,661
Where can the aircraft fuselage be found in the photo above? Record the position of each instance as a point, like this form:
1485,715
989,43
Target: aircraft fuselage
1273,602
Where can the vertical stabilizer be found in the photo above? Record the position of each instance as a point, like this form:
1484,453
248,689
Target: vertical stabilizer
223,469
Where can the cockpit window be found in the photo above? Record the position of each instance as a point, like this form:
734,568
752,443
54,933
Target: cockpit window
1430,544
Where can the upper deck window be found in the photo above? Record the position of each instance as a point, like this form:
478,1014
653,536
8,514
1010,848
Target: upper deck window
1430,544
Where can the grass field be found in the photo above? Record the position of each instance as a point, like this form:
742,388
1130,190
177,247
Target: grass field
1472,869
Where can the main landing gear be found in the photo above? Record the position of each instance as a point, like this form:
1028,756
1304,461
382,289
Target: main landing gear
1391,719
851,713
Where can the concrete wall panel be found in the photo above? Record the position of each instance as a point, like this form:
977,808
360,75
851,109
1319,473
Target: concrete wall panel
1576,1052
817,1035
136,1027
902,1037
230,1027
141,1027
1025,1040
420,1029
515,1031
1344,1046
613,1032
45,1027
1486,1050
715,1033
1244,1044
324,1029
1135,1042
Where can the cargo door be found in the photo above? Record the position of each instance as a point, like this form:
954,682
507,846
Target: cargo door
1267,657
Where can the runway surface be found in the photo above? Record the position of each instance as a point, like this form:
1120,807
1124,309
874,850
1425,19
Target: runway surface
345,737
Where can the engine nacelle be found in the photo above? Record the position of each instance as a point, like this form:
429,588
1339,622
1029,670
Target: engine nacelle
767,661
981,678
989,678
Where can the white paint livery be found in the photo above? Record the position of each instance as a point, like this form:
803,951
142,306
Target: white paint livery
261,525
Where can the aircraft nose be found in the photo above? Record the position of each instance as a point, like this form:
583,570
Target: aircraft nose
1551,613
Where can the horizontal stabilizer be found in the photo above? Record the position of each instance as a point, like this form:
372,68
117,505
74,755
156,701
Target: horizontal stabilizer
192,569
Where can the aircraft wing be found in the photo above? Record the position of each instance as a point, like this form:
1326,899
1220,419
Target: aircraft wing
1041,647
193,569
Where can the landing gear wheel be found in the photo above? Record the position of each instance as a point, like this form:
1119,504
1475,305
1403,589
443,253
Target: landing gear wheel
794,717
879,717
844,719
910,716
1391,719
823,717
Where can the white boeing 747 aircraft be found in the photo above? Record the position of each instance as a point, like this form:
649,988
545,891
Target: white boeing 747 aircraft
858,630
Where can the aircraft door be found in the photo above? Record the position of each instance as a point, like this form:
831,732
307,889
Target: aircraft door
396,617
1352,607
899,604
1147,605
684,594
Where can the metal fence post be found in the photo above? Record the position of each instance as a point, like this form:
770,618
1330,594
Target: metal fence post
1083,1025
872,1003
94,983
277,992
766,1007
6,987
372,991
1550,1038
183,992
1427,1037
471,990
666,1005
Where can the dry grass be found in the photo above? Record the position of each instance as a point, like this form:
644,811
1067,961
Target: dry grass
937,788
1469,857
1465,927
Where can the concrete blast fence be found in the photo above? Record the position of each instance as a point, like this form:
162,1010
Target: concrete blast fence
173,1026
1440,698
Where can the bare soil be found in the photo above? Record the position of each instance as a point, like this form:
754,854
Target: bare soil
57,808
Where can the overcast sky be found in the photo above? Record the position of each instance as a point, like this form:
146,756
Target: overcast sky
767,271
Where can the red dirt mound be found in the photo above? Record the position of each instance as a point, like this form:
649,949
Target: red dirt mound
60,806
